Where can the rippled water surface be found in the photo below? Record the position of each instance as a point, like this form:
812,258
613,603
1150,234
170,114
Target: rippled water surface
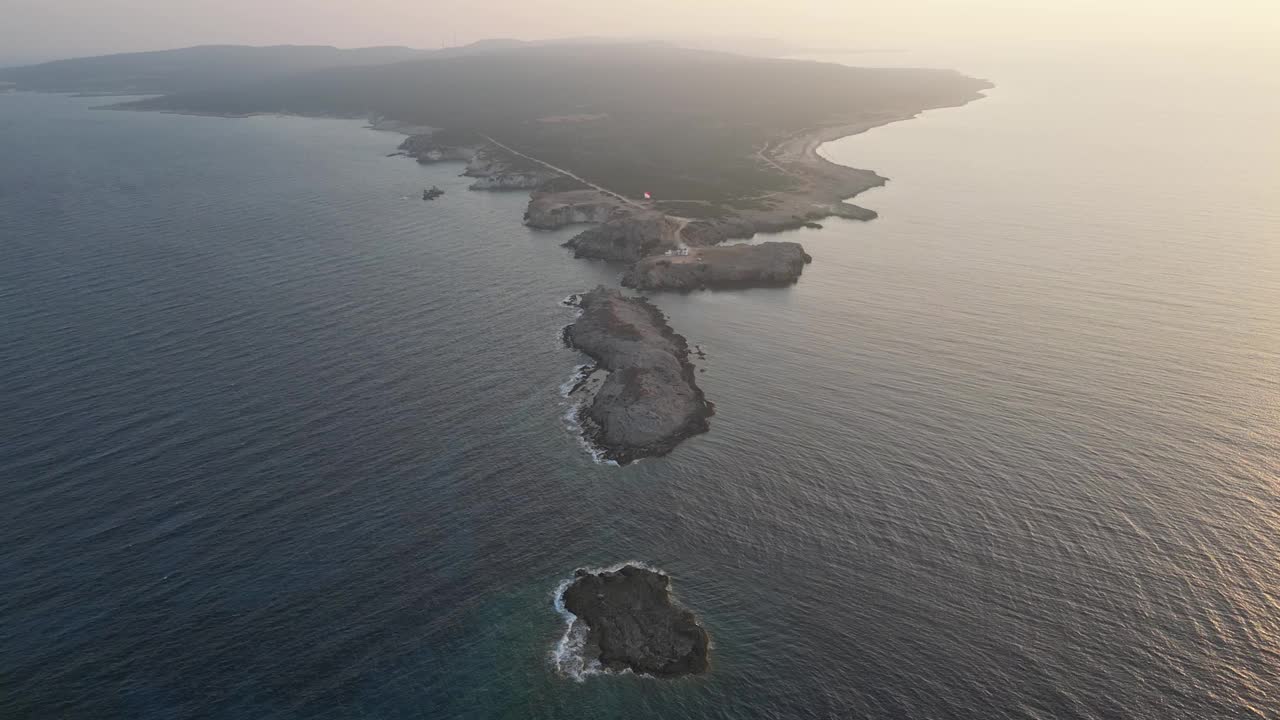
281,440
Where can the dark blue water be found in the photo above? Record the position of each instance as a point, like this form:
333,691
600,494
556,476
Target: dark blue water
281,440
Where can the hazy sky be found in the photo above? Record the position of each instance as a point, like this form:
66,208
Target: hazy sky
55,28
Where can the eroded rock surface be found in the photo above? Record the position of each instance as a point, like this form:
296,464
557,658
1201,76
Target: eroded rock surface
553,210
650,402
426,149
628,238
633,623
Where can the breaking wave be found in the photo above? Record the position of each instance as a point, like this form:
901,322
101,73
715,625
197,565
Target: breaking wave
567,654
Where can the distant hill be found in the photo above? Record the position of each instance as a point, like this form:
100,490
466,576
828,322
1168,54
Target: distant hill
207,67
646,115
192,69
631,116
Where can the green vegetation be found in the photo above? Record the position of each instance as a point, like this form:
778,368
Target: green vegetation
683,124
694,210
561,183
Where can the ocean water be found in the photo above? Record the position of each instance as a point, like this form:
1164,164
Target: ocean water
280,440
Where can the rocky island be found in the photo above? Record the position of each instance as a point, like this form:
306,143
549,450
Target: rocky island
634,624
649,401
628,235
726,266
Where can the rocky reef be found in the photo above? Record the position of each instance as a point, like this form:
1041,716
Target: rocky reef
628,238
726,266
649,402
634,624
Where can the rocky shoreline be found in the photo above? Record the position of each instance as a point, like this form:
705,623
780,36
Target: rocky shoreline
640,232
650,401
720,267
627,237
633,623
491,168
552,210
642,399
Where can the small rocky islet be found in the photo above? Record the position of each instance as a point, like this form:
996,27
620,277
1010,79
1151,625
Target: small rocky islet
634,623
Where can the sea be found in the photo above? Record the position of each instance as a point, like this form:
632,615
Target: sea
278,439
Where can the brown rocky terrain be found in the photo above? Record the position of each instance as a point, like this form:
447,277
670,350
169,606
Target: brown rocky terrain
634,624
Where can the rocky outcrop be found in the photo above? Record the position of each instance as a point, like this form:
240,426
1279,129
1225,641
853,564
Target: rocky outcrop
790,214
509,181
628,238
633,623
734,266
494,169
701,233
744,224
776,223
425,149
553,210
649,402
484,163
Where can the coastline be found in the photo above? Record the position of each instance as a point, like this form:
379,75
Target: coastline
628,620
640,232
825,188
639,396
566,655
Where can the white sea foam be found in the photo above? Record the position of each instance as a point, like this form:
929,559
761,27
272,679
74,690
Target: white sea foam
581,374
566,654
582,380
577,425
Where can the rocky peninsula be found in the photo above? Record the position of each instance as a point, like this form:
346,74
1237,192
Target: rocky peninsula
628,236
649,402
725,266
666,153
634,624
490,166
551,210
645,232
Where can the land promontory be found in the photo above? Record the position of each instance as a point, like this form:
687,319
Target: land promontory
725,266
649,402
664,153
697,135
